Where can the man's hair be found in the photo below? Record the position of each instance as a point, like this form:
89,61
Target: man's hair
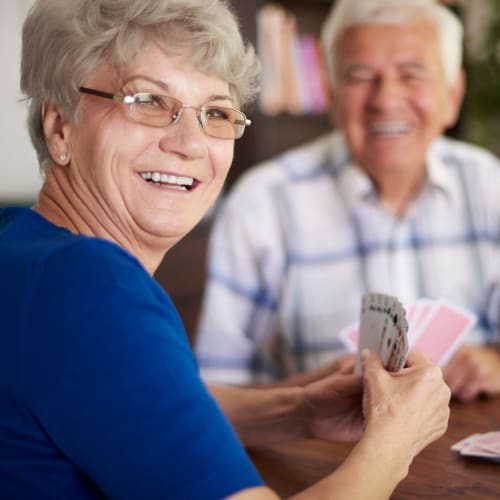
348,13
65,41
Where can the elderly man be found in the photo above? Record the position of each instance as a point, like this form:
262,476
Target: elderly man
384,203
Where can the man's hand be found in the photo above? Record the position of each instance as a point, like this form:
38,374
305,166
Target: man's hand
473,371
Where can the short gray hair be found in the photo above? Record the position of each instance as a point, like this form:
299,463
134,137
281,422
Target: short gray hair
348,13
64,41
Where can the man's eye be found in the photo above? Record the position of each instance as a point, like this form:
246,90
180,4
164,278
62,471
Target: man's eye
362,77
359,76
413,76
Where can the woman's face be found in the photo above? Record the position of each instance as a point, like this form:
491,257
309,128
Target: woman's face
113,157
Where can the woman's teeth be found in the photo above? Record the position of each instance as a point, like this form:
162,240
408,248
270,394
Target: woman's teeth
175,181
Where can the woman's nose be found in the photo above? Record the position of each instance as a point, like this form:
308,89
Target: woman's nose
185,135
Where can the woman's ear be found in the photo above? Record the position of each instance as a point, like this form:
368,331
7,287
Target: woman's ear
56,131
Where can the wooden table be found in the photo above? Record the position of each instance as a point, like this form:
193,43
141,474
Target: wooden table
436,473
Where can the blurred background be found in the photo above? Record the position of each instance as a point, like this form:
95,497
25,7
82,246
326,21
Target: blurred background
284,31
292,108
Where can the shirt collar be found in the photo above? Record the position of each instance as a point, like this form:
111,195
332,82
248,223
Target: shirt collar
353,182
438,175
356,185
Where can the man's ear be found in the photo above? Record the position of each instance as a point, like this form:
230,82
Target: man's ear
56,131
333,114
456,93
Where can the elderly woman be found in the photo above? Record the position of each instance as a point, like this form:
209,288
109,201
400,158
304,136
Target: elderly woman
134,109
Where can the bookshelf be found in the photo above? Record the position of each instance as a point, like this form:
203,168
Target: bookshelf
271,134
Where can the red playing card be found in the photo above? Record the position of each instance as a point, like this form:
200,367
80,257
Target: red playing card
350,336
420,310
442,331
476,450
489,441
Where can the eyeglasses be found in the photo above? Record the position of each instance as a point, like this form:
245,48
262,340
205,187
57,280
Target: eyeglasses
161,111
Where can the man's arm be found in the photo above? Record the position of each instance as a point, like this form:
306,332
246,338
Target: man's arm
228,344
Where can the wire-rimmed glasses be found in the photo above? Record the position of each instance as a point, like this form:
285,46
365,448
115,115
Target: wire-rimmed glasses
160,111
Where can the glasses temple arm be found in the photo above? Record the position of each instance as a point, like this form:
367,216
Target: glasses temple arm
100,93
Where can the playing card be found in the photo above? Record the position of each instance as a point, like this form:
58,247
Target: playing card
417,313
489,441
441,331
460,445
350,336
383,328
493,447
434,327
485,445
475,450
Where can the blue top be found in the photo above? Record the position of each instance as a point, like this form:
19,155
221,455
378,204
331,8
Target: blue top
99,391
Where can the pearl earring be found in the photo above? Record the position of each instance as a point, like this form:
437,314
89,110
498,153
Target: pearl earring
63,157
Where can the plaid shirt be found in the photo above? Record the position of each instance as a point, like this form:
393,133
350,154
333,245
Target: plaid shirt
302,237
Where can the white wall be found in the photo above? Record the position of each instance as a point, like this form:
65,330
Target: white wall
19,176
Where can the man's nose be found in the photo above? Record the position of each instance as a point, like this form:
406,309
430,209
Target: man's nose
386,91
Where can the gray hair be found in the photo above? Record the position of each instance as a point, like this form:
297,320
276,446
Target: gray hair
65,41
348,13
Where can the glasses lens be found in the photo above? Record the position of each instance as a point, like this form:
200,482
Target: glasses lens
221,122
161,111
154,110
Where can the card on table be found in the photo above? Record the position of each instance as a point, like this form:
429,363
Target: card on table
485,445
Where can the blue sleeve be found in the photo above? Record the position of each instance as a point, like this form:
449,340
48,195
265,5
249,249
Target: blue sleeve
111,378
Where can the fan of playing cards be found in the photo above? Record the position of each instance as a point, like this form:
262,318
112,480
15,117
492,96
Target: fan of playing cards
485,445
434,327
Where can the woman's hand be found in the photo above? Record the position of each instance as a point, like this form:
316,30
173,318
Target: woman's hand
407,409
333,407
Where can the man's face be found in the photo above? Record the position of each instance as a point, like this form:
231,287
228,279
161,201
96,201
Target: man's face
391,98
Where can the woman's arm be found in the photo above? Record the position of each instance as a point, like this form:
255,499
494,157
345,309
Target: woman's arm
267,415
403,413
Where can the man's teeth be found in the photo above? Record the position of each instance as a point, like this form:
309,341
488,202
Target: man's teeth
176,181
391,128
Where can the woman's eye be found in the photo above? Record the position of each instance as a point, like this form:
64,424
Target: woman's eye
149,100
218,113
155,101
